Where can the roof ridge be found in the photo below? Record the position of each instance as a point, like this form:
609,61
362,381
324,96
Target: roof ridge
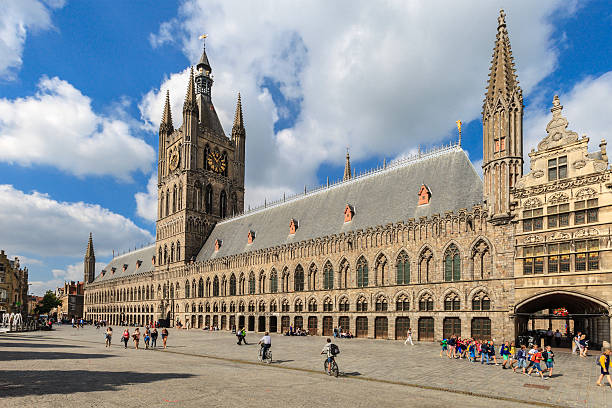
391,166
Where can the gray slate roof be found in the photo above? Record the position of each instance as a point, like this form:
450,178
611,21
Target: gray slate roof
130,259
380,198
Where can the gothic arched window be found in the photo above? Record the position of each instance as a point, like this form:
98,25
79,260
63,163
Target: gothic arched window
285,305
232,285
452,302
362,272
273,306
201,288
298,283
362,304
402,276
481,302
381,304
402,304
299,306
273,281
216,286
343,304
328,276
252,284
186,289
452,264
328,305
206,153
425,263
426,303
222,204
208,199
312,305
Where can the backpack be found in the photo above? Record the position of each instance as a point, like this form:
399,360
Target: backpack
334,349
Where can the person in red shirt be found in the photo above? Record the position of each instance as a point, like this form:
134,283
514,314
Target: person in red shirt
536,358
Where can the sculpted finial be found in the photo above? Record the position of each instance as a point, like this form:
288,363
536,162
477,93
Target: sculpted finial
556,101
501,20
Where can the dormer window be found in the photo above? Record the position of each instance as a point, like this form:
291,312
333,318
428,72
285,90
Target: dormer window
218,244
103,272
557,168
113,269
293,225
251,237
424,195
153,260
125,266
138,263
348,213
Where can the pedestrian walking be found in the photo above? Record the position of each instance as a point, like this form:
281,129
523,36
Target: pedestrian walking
147,338
576,343
444,344
558,336
164,336
536,358
549,359
108,336
136,337
521,358
409,337
604,365
125,337
154,335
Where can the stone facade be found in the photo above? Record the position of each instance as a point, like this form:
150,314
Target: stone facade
442,256
13,285
72,297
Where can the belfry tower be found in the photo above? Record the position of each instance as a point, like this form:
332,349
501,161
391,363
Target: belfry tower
502,128
200,171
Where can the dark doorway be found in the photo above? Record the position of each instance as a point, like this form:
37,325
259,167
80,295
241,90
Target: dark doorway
401,328
200,321
207,320
481,328
285,323
273,324
451,325
312,325
298,322
344,323
361,327
328,326
223,322
240,323
251,323
261,324
216,321
232,323
426,329
381,326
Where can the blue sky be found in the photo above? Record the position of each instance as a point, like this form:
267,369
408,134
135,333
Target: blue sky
82,86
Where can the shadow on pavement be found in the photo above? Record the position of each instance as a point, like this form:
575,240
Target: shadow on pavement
47,355
282,361
16,383
351,374
35,345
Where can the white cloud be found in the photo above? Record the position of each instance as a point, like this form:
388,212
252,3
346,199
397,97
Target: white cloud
58,127
146,203
587,108
35,223
26,261
73,272
152,104
18,17
381,79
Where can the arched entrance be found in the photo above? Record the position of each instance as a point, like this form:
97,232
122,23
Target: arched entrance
569,312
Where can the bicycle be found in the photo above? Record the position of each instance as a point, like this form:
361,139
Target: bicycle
333,370
267,358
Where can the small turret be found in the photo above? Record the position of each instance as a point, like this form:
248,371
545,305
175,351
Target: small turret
347,167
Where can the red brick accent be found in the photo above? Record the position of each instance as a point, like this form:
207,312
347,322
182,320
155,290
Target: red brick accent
348,213
424,195
293,226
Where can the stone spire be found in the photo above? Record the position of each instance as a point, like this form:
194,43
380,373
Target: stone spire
503,81
190,98
502,128
89,266
238,120
166,122
347,167
203,63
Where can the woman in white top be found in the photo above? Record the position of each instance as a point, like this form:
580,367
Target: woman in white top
409,337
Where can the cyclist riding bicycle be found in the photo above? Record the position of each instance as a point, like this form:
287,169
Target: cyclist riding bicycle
266,343
331,350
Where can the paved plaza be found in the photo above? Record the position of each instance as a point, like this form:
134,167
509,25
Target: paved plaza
73,368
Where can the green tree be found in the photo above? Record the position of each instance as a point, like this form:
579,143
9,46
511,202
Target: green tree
49,301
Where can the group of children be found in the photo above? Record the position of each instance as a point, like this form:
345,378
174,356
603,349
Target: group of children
512,357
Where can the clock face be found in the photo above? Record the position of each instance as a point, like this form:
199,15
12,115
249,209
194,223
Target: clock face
216,162
174,161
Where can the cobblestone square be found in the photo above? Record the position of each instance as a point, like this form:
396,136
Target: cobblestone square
73,368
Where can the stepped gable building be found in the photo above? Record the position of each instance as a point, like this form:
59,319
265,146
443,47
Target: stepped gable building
420,243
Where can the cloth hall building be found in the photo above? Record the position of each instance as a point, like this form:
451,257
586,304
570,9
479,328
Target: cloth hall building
423,242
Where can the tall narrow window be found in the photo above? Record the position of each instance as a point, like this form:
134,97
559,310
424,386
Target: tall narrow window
208,199
328,276
233,285
452,264
362,272
222,204
557,168
273,281
298,283
252,284
403,269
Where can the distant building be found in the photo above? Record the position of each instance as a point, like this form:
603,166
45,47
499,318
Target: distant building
71,295
33,301
13,285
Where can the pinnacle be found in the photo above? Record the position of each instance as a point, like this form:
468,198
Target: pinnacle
502,76
167,115
190,97
90,249
238,119
203,63
347,167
